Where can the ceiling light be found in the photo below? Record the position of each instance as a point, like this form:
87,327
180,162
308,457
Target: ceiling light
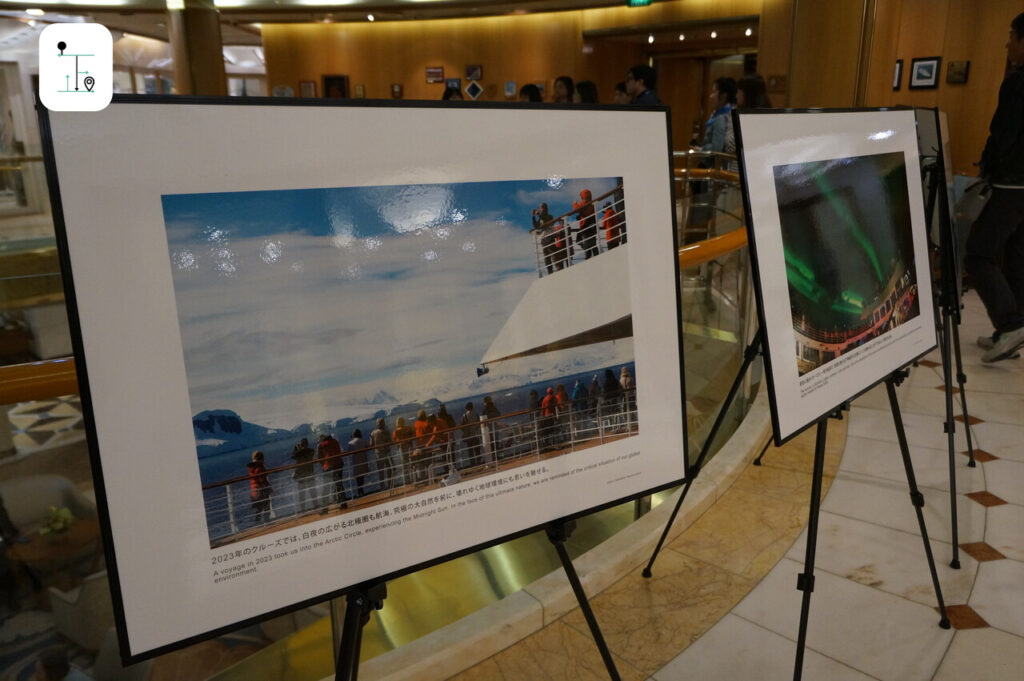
749,32
682,37
650,38
35,12
370,17
714,34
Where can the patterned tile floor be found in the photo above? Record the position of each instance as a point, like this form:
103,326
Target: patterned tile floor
46,423
723,603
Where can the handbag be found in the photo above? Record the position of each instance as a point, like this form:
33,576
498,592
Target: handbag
973,202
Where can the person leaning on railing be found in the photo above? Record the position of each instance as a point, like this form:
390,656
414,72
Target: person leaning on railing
259,488
380,439
328,452
471,441
586,231
404,441
304,475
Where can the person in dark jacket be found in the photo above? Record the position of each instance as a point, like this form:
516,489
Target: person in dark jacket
999,230
640,83
470,428
587,229
259,488
304,475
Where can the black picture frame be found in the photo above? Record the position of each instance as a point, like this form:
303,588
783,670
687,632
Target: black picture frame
924,73
897,75
801,396
79,272
335,86
957,72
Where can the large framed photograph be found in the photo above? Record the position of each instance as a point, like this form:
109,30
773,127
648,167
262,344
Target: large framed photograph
835,218
305,371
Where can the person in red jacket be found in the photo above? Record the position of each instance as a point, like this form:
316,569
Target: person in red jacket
328,451
587,229
548,421
259,488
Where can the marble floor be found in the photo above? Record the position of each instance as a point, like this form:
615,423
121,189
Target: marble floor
723,602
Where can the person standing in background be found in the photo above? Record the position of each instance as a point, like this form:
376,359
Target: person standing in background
999,230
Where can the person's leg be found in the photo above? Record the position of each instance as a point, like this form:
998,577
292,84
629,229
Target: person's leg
1013,262
989,238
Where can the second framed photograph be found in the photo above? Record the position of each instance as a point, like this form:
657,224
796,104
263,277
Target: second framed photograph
924,73
836,227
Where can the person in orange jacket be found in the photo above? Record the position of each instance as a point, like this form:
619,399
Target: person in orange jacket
610,224
586,232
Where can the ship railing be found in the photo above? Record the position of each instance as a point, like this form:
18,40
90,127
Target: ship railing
405,467
559,244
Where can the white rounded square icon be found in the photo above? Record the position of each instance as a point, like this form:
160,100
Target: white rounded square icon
76,67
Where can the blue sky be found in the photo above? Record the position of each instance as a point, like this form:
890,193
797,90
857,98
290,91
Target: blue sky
303,305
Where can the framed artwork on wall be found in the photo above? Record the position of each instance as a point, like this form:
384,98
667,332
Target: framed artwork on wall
897,75
307,88
924,73
335,87
435,74
474,72
956,73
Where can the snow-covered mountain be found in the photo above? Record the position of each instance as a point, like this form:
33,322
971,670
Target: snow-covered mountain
222,430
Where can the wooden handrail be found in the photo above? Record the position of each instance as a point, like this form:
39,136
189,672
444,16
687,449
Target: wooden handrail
715,247
706,174
38,380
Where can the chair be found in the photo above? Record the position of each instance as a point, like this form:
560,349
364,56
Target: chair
108,665
84,613
28,499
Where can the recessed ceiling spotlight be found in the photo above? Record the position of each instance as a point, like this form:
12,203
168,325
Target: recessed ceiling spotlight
714,34
650,38
370,17
35,12
749,32
682,37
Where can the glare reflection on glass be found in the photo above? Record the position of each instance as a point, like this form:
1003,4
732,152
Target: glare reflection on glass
556,181
443,232
458,215
353,271
882,135
430,256
469,247
372,243
186,260
298,267
224,261
271,251
416,208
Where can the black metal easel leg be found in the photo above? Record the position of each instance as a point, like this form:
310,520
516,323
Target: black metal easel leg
961,378
805,580
915,494
691,474
950,429
757,461
360,602
557,534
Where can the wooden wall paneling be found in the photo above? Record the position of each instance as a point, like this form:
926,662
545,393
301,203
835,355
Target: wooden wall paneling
826,43
684,91
775,43
922,34
884,53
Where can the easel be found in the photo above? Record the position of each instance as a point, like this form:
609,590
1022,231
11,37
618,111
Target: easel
365,598
805,580
693,471
947,309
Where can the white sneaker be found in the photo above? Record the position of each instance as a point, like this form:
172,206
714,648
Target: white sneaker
985,342
1007,346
